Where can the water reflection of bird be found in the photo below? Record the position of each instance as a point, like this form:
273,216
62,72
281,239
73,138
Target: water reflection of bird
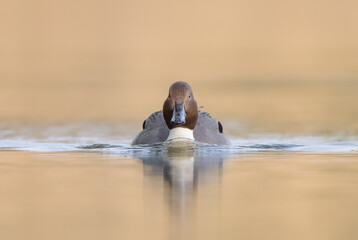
180,118
182,168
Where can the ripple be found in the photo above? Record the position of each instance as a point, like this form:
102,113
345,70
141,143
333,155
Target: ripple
98,146
113,139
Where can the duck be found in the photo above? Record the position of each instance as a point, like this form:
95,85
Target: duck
181,119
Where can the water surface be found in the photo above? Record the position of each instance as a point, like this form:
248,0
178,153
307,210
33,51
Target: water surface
85,181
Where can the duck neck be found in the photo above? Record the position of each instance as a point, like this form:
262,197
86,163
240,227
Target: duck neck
180,132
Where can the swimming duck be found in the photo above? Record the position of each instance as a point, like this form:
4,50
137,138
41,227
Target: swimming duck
181,119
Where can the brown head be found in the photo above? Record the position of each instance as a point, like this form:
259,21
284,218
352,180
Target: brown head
180,108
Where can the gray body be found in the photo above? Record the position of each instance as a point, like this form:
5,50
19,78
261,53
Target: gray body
207,130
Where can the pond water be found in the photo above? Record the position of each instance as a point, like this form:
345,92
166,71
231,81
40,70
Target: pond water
85,181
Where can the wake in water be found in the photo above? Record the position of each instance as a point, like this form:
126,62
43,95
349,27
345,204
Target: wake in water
239,146
114,139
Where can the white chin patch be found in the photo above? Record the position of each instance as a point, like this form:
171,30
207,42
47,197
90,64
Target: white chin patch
181,133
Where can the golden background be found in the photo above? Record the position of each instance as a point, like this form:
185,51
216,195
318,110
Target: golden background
277,64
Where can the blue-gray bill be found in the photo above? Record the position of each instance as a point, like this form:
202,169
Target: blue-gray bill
178,114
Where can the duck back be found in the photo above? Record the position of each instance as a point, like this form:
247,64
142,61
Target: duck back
207,130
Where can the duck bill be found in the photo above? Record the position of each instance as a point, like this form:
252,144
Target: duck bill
178,117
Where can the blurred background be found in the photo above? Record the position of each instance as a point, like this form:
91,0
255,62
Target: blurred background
276,65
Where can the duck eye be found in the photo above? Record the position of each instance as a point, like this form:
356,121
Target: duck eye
189,96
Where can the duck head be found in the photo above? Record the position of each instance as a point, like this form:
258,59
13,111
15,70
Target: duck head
180,108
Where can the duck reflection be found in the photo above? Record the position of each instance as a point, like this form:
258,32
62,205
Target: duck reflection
183,170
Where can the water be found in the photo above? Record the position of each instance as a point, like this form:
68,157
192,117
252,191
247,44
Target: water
85,181
116,139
